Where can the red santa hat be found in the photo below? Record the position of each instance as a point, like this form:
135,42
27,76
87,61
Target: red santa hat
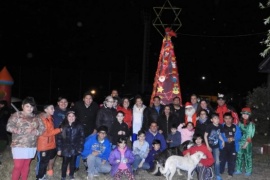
188,105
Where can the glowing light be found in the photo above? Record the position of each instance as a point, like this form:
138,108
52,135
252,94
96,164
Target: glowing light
93,91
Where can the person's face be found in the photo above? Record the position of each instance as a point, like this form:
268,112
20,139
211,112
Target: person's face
156,102
126,103
153,127
203,115
141,137
63,104
120,117
203,105
190,126
245,116
122,145
198,141
115,103
71,118
156,147
173,130
50,110
27,108
228,120
139,102
114,93
88,99
176,101
220,102
215,120
109,102
193,99
167,110
101,135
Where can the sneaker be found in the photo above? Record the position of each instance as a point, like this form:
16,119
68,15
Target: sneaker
248,174
229,177
50,172
96,175
76,169
63,178
237,172
218,178
90,177
71,178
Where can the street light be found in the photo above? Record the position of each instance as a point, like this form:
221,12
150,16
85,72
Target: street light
93,92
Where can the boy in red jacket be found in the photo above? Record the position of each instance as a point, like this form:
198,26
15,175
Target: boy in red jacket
203,169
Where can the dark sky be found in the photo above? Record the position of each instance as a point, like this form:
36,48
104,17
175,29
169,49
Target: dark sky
219,39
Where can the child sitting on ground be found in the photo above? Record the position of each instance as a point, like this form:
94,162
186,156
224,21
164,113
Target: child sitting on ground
154,150
121,159
174,138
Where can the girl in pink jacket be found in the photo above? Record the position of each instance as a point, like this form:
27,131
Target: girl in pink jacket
186,131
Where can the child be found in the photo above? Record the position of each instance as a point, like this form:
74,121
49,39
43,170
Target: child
187,132
120,129
211,138
231,135
140,150
121,159
154,150
70,143
203,169
46,145
174,138
244,155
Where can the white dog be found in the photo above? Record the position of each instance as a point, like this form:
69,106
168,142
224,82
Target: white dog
187,163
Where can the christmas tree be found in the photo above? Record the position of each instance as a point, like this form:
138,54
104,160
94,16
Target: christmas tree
166,83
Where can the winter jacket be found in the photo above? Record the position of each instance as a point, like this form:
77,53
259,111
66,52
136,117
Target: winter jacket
237,137
106,116
116,155
87,116
70,141
19,123
47,139
150,115
201,126
149,137
221,110
58,116
128,115
165,125
92,144
116,128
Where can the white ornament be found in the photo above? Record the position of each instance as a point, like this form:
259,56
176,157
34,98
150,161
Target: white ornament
267,118
265,134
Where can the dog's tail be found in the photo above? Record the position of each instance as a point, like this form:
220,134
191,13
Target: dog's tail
154,170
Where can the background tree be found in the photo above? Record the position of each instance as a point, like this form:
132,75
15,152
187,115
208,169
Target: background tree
259,101
266,42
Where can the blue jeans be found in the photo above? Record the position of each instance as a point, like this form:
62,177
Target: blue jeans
95,165
137,161
215,152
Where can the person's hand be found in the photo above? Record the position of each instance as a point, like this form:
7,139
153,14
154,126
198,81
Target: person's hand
245,145
141,164
125,160
119,132
200,164
188,154
95,153
59,153
223,144
103,162
209,148
123,132
160,131
117,161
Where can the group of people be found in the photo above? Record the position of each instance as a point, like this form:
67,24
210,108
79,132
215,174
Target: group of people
116,138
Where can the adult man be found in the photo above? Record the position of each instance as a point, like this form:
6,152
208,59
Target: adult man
114,93
96,151
153,134
178,110
222,108
152,113
86,111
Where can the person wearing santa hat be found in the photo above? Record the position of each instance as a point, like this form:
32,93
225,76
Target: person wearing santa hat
190,114
244,155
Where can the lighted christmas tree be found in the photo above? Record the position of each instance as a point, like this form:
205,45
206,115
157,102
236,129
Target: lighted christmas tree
166,83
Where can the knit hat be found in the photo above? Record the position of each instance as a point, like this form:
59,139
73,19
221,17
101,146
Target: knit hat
221,96
188,105
246,110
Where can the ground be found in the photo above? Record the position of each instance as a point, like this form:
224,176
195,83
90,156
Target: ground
261,166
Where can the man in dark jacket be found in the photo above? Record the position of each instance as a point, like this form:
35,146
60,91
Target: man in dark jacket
86,111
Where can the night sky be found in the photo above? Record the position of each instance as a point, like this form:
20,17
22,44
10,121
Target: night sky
218,39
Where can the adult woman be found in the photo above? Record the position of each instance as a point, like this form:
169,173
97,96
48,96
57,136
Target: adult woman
25,127
124,106
165,121
205,105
